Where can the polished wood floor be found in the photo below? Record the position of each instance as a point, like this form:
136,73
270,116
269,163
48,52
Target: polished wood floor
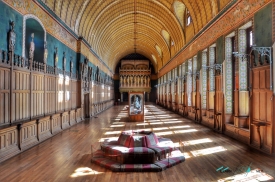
66,156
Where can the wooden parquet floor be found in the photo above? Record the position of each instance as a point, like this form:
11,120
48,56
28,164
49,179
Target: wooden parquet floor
66,156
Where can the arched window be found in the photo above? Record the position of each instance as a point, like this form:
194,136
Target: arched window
188,18
166,37
179,9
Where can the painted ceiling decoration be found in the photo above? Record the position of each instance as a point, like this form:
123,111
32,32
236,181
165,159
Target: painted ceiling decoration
117,28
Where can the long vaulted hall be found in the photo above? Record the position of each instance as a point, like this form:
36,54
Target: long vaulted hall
137,90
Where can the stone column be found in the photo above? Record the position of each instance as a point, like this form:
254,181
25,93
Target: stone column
148,96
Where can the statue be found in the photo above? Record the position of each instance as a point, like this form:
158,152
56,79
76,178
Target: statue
137,103
12,37
71,64
135,81
64,60
124,82
32,47
138,81
128,80
131,80
45,52
56,57
85,67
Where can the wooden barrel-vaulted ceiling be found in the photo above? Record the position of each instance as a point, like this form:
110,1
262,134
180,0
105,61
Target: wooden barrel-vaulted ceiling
154,28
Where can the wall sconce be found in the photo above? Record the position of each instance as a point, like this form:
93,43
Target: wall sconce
198,74
214,67
183,77
266,51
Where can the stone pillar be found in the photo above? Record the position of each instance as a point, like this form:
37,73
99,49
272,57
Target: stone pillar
148,96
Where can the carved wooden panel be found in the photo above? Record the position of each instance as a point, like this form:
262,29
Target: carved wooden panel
218,106
65,120
8,143
74,100
44,128
20,96
78,114
4,96
56,124
218,95
72,117
50,96
67,93
262,107
37,95
28,134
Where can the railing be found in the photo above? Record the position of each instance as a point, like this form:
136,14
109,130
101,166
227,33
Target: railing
3,57
37,66
50,69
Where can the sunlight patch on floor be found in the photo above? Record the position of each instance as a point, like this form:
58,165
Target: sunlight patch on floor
84,171
118,123
116,126
152,120
161,128
186,131
112,132
199,141
207,151
108,139
183,126
156,123
142,124
163,133
169,122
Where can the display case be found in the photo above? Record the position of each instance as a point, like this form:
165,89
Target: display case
136,106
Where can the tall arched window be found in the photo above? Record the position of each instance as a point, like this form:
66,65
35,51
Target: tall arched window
179,9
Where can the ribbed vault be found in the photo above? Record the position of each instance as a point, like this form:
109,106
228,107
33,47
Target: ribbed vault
116,28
